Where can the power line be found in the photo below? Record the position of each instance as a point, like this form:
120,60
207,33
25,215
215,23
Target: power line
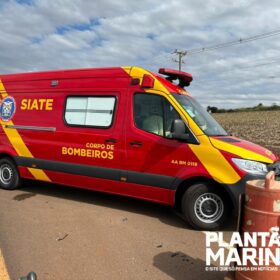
267,61
233,43
183,53
223,45
243,68
273,76
161,57
260,64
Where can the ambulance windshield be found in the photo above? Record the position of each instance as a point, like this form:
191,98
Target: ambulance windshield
200,116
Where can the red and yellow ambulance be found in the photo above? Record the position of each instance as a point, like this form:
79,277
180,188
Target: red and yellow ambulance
125,131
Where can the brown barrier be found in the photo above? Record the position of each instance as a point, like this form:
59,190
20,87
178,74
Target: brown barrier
261,214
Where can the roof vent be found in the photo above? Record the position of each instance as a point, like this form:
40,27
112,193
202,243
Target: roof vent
54,83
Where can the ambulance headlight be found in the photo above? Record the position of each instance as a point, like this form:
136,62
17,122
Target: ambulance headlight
251,166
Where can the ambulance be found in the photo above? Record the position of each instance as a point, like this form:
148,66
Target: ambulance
125,131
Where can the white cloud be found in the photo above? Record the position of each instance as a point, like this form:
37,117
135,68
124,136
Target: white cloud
42,34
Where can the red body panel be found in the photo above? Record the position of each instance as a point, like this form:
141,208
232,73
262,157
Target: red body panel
48,145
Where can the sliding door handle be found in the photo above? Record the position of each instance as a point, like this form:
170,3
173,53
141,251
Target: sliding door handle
136,143
111,141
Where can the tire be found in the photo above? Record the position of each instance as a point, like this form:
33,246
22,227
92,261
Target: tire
204,207
9,175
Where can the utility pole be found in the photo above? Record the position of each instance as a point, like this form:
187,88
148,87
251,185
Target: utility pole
180,54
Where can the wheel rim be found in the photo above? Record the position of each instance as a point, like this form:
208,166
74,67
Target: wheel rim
209,208
6,174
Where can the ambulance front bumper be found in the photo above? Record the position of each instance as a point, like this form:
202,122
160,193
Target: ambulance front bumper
235,191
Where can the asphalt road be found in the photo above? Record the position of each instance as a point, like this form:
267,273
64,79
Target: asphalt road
65,233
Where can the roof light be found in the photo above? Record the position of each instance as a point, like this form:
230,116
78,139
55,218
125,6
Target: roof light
183,77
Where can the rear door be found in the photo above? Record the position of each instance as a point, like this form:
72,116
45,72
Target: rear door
31,131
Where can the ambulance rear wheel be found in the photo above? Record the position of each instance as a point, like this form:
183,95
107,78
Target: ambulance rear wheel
9,175
204,208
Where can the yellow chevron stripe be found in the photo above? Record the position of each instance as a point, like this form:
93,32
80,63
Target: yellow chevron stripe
214,162
3,269
243,153
18,143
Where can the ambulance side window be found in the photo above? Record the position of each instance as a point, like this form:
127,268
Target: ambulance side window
90,111
153,113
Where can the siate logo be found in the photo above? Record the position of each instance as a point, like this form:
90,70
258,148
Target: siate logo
7,108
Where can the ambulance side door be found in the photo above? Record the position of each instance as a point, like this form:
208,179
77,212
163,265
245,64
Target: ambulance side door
89,140
154,160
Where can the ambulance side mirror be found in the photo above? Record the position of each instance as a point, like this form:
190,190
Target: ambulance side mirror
180,131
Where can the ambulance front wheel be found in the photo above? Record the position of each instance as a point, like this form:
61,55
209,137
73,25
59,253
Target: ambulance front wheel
204,207
9,175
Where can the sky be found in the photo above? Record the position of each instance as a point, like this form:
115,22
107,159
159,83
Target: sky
38,35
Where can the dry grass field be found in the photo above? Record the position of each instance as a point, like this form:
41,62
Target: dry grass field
262,127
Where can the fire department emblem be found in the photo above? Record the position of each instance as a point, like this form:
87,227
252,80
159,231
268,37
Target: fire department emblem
7,108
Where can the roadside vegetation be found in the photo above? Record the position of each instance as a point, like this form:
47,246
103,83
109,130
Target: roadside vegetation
259,107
